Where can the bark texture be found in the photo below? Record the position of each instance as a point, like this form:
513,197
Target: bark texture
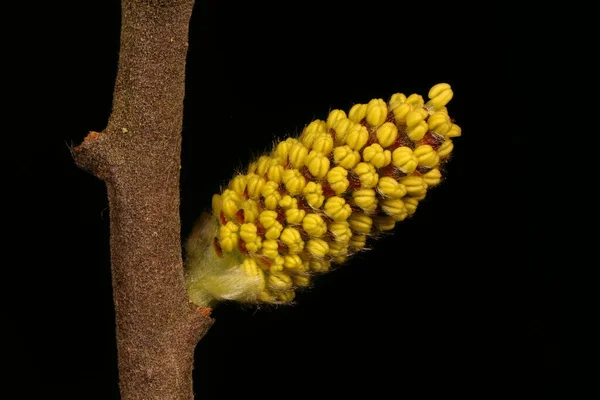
138,156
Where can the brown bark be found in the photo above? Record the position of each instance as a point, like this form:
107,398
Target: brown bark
138,156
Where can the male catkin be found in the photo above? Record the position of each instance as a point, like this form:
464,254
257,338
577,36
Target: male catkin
315,200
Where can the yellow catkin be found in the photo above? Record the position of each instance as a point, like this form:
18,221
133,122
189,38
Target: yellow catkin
314,200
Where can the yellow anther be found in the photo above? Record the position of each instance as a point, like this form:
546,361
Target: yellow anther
255,186
273,231
228,238
337,249
251,211
255,246
345,157
267,218
288,202
445,149
319,265
317,164
341,231
410,203
387,134
404,159
420,196
454,131
305,267
358,242
310,132
314,225
334,117
336,177
423,112
313,194
341,128
238,184
291,237
323,143
400,112
270,193
394,208
232,226
385,223
267,297
415,185
294,216
250,268
340,259
316,126
390,188
365,199
439,123
275,173
376,112
252,168
263,164
217,203
279,281
301,280
427,156
277,265
292,261
270,248
367,175
282,150
294,181
440,95
297,155
248,232
286,296
308,138
415,100
416,126
375,155
230,194
360,223
432,177
396,99
317,247
441,110
357,112
336,208
357,137
230,201
438,89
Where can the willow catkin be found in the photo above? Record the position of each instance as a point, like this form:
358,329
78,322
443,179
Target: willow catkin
315,200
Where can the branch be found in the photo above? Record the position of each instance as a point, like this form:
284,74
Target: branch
138,156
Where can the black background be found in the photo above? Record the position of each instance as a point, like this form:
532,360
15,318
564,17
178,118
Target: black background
463,293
